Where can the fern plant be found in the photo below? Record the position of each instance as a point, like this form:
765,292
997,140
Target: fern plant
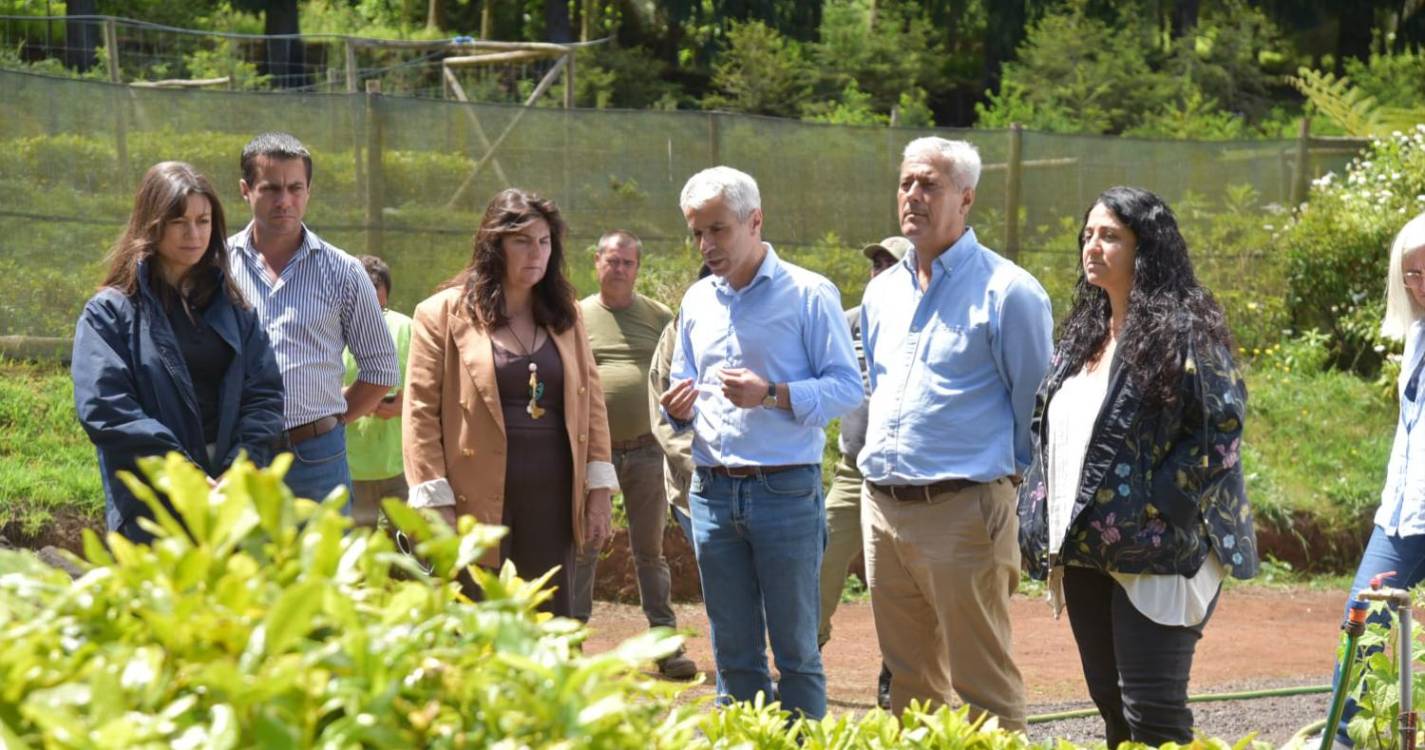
1350,108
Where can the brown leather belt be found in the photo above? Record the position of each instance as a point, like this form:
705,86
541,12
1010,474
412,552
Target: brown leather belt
305,432
740,472
923,493
642,441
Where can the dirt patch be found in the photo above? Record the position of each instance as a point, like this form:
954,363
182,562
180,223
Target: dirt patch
1313,546
1257,638
617,580
65,530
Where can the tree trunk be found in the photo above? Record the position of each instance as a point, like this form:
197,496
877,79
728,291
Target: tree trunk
556,21
433,15
285,57
1006,22
81,37
1185,17
1353,39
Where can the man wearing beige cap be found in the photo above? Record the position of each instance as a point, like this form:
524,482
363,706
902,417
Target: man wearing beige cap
843,501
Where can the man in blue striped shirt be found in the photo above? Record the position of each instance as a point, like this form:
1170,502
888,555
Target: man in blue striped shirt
315,301
763,360
956,339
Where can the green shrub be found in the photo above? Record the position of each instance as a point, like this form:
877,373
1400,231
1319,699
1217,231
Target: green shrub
260,620
1376,677
1337,248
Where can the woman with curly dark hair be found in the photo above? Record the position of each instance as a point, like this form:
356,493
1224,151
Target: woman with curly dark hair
504,414
1134,506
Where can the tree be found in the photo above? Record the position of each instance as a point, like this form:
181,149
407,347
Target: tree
1076,73
286,58
760,72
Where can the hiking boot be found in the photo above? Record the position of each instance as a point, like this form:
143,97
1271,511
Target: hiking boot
677,666
883,688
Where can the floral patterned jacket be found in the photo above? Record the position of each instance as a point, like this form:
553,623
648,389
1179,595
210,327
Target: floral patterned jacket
1160,486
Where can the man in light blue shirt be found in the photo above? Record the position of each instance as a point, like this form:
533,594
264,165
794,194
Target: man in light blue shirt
762,362
956,339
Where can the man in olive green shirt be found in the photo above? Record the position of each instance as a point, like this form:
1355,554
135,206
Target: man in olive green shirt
373,442
624,327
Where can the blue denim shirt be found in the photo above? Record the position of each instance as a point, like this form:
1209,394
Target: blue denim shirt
953,369
134,397
787,326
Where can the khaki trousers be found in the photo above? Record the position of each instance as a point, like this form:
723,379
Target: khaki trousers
843,540
367,494
941,574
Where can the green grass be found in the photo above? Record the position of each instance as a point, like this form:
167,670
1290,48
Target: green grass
47,463
1315,442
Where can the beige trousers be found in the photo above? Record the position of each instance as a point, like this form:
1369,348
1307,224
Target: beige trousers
941,574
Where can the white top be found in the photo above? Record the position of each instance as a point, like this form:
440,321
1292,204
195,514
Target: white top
1402,498
1165,599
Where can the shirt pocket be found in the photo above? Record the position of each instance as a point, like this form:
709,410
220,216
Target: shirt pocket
955,351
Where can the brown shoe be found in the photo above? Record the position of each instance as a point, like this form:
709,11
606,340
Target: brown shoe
677,666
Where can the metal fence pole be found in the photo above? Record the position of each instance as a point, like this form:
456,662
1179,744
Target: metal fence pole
1012,191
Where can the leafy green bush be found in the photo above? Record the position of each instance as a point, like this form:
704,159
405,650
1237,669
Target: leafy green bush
1377,683
1338,247
260,620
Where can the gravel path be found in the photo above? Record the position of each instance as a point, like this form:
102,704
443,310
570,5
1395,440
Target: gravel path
1274,720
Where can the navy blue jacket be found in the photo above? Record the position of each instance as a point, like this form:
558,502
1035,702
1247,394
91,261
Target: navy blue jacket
134,396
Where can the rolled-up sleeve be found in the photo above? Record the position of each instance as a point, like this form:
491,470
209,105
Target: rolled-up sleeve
366,333
422,444
1022,349
836,387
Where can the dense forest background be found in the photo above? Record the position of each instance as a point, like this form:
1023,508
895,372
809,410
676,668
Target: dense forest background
1206,69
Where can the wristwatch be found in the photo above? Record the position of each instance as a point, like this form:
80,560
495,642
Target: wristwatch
769,401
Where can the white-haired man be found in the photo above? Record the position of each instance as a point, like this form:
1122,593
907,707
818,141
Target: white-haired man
956,340
762,362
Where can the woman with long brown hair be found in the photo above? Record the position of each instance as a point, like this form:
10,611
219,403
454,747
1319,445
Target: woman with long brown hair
504,414
167,356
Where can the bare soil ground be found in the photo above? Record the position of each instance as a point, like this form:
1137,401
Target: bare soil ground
1257,638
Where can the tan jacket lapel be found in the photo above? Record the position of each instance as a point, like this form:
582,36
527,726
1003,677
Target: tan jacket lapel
569,356
479,360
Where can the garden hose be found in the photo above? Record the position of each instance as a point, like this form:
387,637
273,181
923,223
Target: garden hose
1206,698
1353,627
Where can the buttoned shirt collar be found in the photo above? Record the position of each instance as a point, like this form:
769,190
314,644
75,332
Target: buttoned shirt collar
767,269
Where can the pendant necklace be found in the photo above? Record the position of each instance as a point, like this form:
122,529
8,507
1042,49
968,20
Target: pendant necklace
536,388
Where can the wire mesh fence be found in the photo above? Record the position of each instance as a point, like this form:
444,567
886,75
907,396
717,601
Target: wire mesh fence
407,179
122,50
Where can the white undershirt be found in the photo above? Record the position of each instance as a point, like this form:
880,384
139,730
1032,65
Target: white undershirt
1165,599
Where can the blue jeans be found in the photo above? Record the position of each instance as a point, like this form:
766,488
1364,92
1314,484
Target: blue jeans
1403,554
759,542
319,465
685,522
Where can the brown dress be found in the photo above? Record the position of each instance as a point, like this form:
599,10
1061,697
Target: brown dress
539,472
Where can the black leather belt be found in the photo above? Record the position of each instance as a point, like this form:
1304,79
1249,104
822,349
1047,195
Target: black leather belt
922,493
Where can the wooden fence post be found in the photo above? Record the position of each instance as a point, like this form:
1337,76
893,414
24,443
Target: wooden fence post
1302,182
1013,172
111,50
353,75
569,80
374,175
714,140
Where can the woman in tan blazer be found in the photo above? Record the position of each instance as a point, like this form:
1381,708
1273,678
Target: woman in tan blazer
504,416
